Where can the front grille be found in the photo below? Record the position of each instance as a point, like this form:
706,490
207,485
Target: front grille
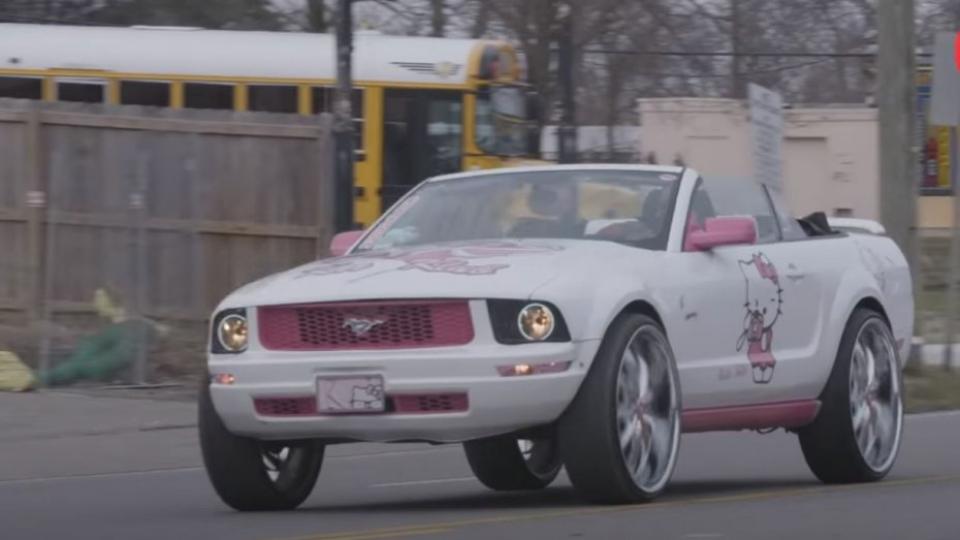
365,325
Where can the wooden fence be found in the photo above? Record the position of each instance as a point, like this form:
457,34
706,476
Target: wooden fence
168,209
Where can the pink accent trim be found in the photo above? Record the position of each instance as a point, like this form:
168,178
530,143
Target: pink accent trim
286,406
300,406
722,231
509,370
404,324
789,414
429,403
342,242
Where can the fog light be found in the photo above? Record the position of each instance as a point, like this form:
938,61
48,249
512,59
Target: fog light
516,370
223,378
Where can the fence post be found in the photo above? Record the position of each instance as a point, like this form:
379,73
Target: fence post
137,209
326,186
36,201
37,246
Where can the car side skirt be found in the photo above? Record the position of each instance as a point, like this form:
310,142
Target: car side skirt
785,414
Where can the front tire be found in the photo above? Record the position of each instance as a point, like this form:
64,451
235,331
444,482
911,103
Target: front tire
856,436
620,437
506,463
253,475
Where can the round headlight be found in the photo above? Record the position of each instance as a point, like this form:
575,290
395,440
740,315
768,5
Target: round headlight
232,332
536,322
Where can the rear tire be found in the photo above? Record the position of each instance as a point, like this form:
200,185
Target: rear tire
506,463
856,435
620,437
253,475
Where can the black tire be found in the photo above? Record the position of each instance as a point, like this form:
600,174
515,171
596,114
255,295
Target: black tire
589,430
236,465
829,444
500,464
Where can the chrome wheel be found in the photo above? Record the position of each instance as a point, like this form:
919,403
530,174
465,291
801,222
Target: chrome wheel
540,456
876,405
648,412
282,462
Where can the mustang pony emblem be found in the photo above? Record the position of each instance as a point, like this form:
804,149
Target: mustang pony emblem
360,326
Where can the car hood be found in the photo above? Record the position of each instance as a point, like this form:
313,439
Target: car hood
491,269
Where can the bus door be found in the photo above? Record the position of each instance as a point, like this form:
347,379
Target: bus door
422,137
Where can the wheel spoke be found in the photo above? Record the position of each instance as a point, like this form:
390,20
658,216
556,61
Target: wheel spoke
628,434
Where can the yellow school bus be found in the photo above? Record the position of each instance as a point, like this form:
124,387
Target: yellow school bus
422,106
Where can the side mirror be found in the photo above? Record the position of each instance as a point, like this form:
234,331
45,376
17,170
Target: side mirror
722,231
342,242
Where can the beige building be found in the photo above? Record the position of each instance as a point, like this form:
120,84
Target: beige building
830,154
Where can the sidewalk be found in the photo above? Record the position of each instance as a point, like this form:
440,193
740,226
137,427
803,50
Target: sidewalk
60,433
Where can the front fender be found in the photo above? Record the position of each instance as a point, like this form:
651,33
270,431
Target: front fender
590,310
855,286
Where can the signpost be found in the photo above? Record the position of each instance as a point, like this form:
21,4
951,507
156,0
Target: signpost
766,123
945,111
343,120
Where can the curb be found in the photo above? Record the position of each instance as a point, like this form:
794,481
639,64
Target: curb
932,354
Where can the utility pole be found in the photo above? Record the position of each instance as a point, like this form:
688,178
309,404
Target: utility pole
343,120
899,151
567,132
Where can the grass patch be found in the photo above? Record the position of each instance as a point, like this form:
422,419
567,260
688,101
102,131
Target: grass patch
932,389
932,300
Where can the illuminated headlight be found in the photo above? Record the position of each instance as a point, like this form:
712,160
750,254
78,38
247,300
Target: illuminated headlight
536,322
230,331
519,322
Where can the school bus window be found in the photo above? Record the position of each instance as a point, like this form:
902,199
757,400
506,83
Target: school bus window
322,102
21,88
82,92
278,99
152,94
208,96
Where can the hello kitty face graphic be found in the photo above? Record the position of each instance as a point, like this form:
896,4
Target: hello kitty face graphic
466,259
763,306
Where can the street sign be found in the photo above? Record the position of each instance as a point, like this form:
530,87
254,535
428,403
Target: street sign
944,105
766,127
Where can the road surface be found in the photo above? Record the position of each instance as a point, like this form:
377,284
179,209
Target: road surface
727,486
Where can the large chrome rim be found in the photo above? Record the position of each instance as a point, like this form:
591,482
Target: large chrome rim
876,407
540,456
283,463
648,411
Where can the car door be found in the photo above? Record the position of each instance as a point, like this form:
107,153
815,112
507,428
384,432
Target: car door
745,306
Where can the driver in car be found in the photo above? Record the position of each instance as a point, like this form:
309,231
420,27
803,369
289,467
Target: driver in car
558,202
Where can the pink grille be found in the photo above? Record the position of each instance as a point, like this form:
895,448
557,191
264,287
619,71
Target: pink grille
430,403
365,325
297,406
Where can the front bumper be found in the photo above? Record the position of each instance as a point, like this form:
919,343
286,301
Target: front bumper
496,404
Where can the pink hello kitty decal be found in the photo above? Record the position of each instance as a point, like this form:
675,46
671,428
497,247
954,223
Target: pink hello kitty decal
452,259
764,299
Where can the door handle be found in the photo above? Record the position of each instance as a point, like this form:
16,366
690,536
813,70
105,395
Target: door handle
795,273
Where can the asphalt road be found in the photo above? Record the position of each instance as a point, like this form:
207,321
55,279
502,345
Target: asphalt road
728,486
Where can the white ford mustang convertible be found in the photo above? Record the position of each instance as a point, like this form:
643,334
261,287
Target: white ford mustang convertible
566,316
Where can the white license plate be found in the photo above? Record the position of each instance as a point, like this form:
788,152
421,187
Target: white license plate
350,394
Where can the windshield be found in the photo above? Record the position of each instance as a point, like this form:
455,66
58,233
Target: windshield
502,124
630,207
